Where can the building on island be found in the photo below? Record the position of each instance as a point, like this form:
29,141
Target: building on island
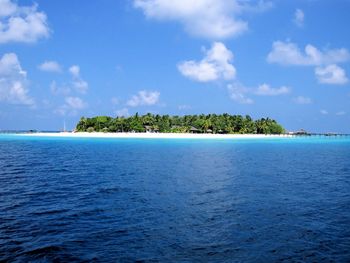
300,132
194,130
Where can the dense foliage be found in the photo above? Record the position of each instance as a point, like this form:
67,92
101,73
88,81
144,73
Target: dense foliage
211,123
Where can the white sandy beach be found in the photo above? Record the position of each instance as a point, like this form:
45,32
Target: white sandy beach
155,135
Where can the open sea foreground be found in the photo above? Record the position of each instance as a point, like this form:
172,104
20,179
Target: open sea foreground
174,200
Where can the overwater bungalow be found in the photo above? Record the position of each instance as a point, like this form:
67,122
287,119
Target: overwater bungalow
300,132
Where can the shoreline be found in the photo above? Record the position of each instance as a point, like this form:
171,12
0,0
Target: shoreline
145,135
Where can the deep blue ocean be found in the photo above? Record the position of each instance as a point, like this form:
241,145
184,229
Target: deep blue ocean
177,200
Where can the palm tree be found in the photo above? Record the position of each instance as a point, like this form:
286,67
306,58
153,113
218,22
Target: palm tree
148,119
206,124
223,123
82,124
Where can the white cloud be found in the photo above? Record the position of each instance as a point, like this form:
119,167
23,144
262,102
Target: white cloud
302,100
259,7
287,53
122,112
71,107
340,113
75,71
266,90
214,19
331,74
237,92
50,66
81,85
21,24
214,66
324,112
75,103
144,98
13,81
59,90
299,17
7,8
78,83
184,107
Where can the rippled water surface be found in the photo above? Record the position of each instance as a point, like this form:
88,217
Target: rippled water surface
108,200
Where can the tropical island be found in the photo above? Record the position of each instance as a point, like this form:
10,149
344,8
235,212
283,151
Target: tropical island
201,124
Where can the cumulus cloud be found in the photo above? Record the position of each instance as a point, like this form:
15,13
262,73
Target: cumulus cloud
144,98
299,17
50,66
214,19
340,113
240,93
124,112
59,90
184,107
302,100
21,23
287,53
326,71
75,71
266,90
237,92
7,8
207,18
13,81
75,103
71,107
78,83
331,74
215,65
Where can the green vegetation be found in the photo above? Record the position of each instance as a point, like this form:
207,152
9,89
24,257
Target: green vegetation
212,123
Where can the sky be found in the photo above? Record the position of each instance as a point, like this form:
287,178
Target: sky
285,59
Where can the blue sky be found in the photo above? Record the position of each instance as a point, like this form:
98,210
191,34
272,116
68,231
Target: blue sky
288,60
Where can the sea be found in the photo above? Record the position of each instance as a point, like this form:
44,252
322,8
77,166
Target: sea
174,200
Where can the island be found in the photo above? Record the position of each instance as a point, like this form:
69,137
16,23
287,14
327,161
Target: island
199,124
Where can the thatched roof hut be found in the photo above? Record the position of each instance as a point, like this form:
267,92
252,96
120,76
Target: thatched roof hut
194,130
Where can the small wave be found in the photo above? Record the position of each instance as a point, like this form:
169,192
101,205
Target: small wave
50,212
111,190
45,250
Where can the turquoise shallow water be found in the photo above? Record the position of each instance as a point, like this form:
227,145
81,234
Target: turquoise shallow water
271,200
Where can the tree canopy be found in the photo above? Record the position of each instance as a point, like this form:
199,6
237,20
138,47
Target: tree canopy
211,123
